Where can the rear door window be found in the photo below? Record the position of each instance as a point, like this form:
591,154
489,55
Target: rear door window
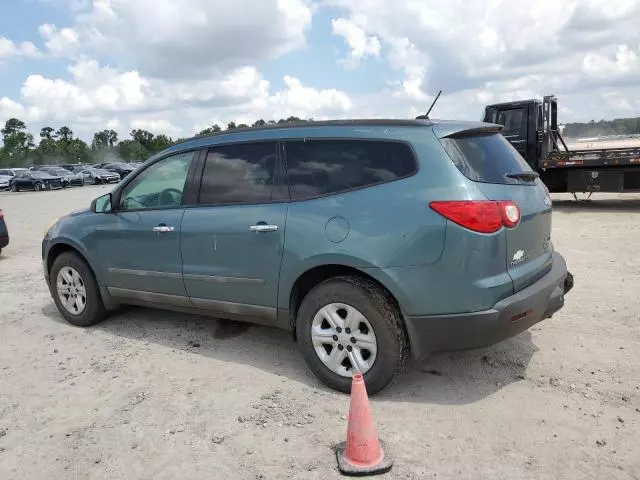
485,158
325,167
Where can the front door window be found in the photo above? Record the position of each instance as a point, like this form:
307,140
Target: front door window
159,186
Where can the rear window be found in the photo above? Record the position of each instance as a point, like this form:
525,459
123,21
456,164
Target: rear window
485,158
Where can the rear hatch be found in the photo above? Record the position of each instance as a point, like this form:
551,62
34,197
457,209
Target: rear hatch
484,156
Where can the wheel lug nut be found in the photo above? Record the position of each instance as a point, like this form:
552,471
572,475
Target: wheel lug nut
340,347
353,339
335,338
339,329
349,348
347,331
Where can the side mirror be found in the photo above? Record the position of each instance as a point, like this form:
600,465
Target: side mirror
102,204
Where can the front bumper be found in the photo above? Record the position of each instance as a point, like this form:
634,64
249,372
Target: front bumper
509,317
4,240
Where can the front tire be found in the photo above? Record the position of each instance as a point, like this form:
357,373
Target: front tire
349,324
14,188
37,187
75,290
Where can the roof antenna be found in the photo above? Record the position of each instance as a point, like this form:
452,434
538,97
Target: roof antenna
426,116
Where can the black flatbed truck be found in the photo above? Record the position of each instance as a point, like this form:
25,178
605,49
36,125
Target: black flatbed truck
531,126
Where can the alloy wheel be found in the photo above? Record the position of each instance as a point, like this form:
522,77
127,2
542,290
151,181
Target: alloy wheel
71,290
344,339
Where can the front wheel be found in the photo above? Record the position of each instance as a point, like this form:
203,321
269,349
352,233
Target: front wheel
37,187
75,290
347,325
14,188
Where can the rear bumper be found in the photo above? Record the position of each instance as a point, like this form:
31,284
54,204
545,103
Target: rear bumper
509,317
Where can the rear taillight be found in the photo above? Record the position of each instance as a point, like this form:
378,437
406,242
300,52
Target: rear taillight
484,216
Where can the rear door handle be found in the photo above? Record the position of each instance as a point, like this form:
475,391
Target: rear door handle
163,229
263,227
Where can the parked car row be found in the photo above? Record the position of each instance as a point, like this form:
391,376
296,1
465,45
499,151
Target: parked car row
43,177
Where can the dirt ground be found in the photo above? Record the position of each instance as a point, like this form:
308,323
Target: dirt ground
155,395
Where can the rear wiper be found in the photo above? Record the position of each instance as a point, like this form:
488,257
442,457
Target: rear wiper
526,176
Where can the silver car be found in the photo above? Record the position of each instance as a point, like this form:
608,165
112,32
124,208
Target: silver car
98,176
4,182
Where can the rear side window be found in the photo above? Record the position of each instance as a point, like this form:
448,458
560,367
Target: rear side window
485,158
241,173
325,167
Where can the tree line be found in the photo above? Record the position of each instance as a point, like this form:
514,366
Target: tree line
619,126
60,146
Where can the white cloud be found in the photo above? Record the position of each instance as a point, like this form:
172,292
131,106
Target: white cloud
59,42
169,39
360,44
156,125
9,48
498,49
98,97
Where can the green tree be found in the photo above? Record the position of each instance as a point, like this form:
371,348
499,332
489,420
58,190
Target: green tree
17,142
143,137
232,126
65,134
132,150
77,151
209,131
259,123
100,141
112,137
159,143
47,133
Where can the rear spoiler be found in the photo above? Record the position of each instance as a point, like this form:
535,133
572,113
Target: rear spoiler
465,129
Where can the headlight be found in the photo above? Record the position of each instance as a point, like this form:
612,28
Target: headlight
50,226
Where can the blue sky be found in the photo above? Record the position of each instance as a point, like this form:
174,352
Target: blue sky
176,67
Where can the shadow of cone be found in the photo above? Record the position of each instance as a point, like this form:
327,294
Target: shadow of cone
362,453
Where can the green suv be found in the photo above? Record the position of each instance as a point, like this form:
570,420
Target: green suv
370,240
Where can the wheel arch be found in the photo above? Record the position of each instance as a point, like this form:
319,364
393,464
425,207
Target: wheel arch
320,273
62,246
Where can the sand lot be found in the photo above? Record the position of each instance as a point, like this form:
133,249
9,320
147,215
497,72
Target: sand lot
156,395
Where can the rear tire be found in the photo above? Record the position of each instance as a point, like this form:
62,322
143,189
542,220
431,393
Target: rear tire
14,188
93,310
379,312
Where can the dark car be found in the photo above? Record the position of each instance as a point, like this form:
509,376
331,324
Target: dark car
69,178
35,180
4,233
98,176
122,169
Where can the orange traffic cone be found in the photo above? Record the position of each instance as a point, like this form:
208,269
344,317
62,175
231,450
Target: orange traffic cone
362,453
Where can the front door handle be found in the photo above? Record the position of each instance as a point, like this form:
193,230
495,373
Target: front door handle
163,229
263,227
